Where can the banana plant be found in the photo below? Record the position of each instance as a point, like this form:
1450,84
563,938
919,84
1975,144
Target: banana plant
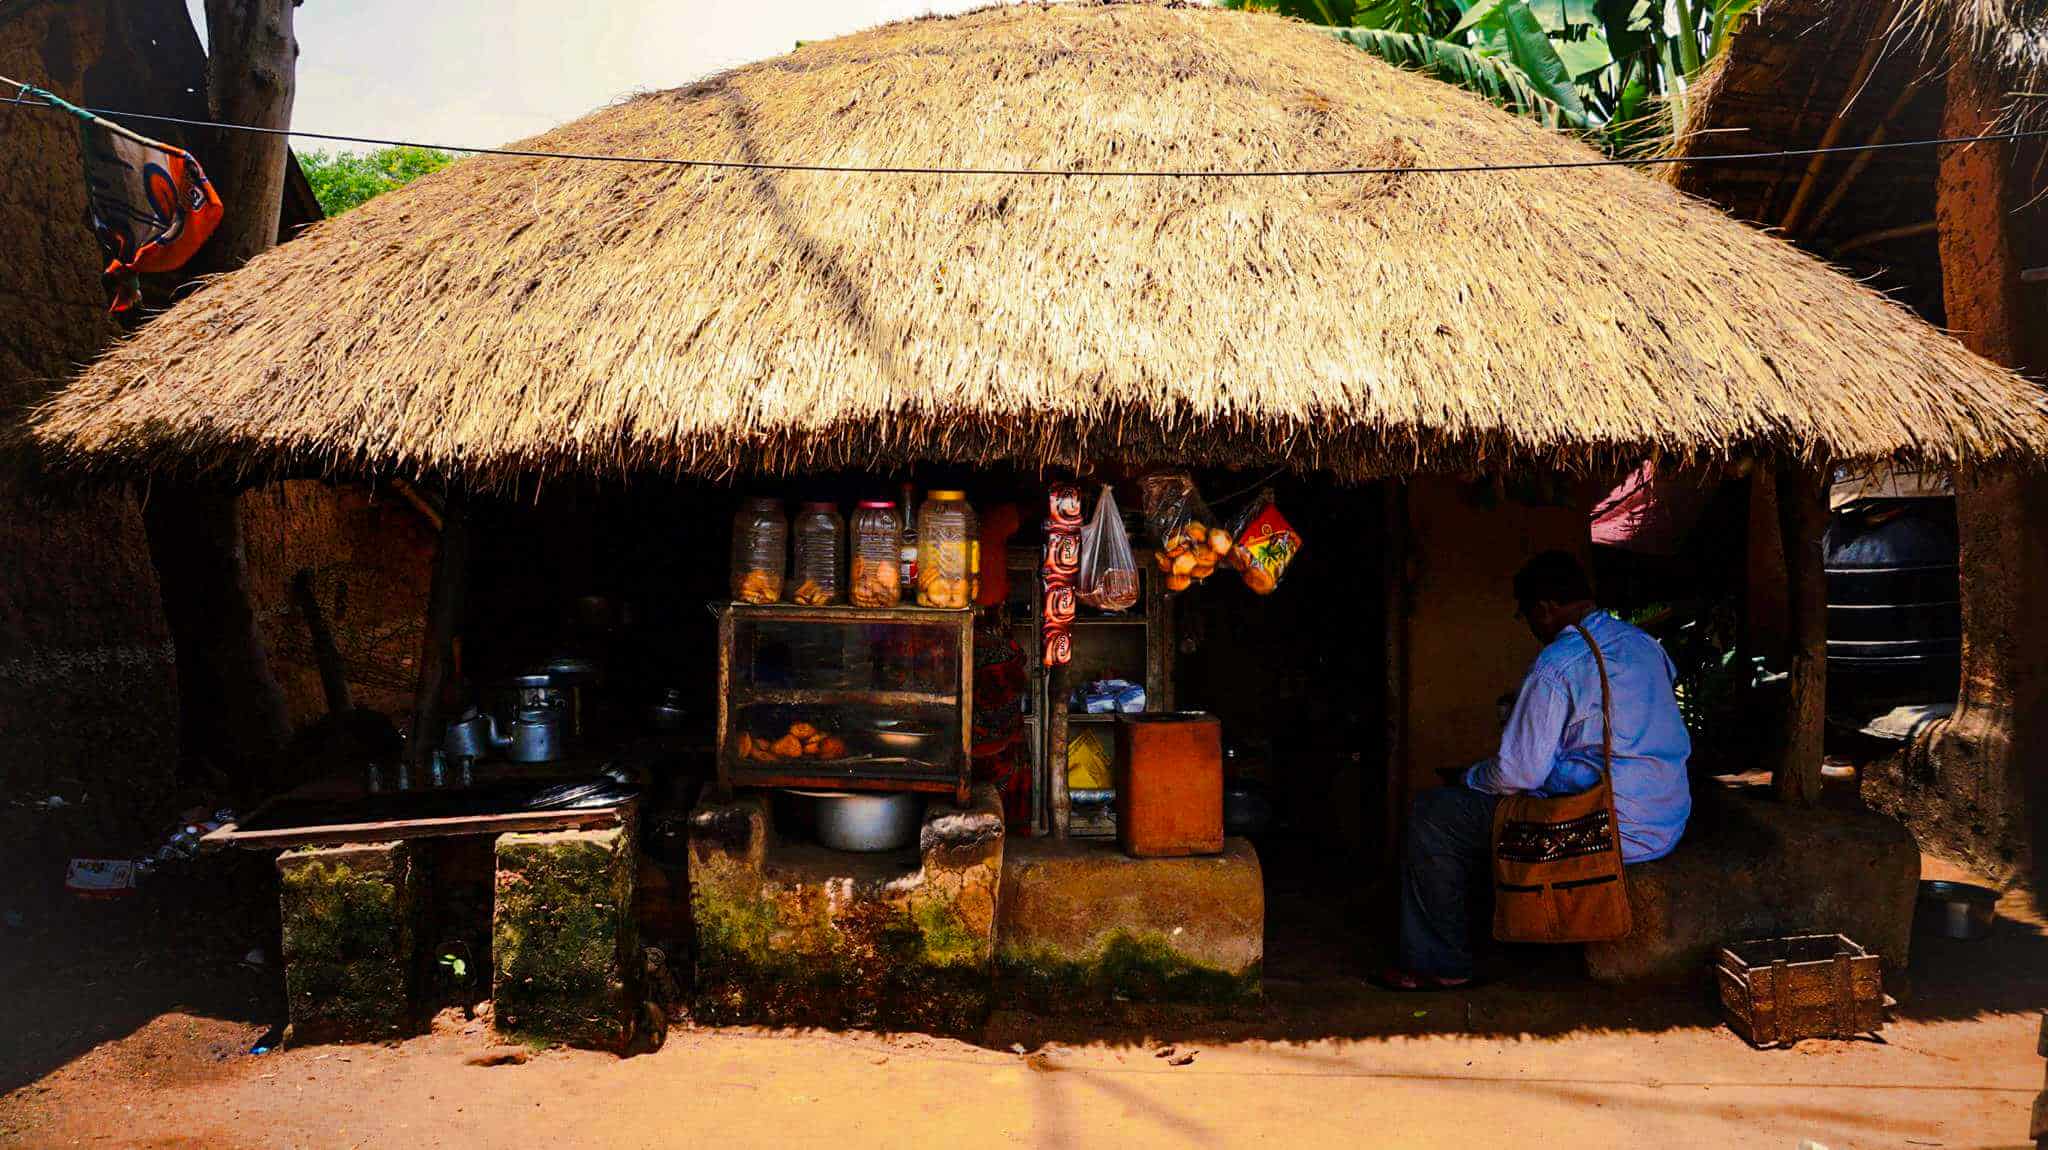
1614,71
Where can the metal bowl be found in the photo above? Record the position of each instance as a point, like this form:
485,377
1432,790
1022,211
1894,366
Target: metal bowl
891,737
1957,909
866,823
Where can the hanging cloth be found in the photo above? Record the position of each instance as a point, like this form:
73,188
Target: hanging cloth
150,205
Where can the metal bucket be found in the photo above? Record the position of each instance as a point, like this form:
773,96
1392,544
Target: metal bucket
1957,909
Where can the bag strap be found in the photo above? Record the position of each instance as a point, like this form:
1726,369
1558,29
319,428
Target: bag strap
1606,708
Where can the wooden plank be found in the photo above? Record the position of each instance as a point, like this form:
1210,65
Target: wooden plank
385,830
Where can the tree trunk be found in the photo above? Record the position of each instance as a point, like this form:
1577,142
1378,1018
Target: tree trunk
250,74
1802,493
231,709
1984,766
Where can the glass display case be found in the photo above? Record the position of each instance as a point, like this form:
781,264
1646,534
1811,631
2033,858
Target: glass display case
846,698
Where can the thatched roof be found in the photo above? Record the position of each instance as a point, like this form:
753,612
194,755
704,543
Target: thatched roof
513,316
1801,73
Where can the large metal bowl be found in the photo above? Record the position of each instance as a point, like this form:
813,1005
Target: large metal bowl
1957,909
864,822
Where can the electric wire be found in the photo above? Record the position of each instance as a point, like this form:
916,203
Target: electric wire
1067,173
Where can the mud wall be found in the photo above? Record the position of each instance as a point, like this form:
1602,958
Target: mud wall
87,688
1465,647
85,665
1977,786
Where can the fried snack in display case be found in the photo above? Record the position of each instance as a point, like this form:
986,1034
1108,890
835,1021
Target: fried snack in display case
846,698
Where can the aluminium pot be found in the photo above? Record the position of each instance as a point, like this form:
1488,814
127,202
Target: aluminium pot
866,822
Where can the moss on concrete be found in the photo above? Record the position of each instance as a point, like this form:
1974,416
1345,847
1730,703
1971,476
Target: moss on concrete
1142,968
348,942
565,959
810,937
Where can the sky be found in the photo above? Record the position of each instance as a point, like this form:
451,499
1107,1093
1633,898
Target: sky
487,72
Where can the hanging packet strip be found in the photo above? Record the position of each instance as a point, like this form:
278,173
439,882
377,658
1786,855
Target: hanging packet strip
151,205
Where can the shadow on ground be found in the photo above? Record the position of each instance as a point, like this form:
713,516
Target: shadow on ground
78,973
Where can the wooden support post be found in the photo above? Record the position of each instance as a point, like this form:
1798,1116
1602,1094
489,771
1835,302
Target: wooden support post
1802,517
1394,590
1056,748
444,611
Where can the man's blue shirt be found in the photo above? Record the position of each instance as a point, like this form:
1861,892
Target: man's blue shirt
1552,743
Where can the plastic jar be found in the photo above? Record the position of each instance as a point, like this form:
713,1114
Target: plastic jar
820,556
760,550
877,575
945,539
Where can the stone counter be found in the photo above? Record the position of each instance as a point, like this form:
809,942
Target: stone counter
794,934
1081,922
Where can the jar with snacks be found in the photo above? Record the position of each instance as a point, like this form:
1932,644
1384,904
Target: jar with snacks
820,555
877,554
945,535
760,550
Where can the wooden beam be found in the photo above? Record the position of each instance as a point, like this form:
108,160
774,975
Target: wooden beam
1802,516
1872,49
1863,160
1885,236
444,611
326,657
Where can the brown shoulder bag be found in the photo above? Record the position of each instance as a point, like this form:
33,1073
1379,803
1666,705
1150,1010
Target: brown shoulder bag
1557,874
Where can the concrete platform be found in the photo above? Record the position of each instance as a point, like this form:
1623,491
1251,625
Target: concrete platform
1081,922
1749,867
565,951
791,933
351,916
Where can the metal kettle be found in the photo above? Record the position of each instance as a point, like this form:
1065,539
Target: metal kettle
535,736
475,735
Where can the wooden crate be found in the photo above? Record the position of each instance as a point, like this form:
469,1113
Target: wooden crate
1776,991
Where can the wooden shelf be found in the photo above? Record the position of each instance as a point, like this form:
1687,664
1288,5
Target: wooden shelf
743,696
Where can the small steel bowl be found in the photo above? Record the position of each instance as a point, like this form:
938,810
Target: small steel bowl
1957,909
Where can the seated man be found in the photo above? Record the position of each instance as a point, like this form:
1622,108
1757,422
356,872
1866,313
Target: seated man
1551,747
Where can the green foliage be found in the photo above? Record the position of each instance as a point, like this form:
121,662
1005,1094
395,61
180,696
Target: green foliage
1493,78
1599,67
342,180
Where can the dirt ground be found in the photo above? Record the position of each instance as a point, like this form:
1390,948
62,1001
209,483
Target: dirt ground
137,1042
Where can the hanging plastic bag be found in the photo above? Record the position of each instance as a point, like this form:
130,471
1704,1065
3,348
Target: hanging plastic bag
1109,572
1266,543
1191,543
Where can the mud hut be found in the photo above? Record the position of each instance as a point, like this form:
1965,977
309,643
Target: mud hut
1081,236
1952,232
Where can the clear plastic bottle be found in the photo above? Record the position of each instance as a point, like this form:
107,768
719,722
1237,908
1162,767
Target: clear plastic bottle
820,556
760,550
945,538
877,573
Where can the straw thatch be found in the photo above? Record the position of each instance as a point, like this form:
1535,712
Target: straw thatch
528,316
2008,36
